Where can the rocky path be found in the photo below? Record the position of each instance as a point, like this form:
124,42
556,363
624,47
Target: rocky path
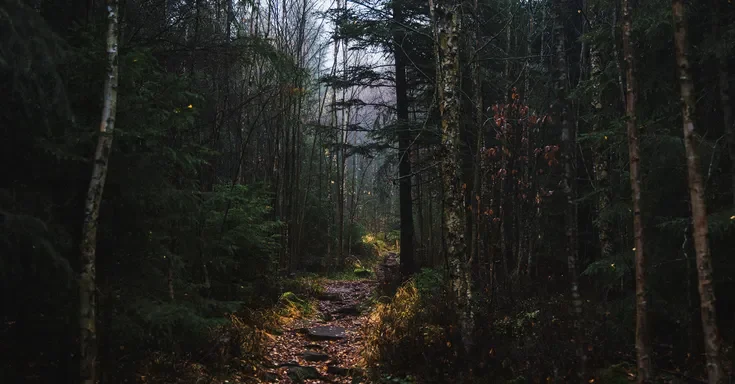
327,349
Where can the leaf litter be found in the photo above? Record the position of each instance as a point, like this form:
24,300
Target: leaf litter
338,308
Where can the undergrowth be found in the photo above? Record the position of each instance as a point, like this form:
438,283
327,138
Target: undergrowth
411,332
230,346
233,348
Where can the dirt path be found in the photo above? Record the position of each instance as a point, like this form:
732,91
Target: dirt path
326,349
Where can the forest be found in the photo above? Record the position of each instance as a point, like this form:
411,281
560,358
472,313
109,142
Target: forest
367,191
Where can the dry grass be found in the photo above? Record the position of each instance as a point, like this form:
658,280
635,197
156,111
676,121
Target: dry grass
408,334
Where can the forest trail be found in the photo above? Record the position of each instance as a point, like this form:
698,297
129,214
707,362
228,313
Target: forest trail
325,349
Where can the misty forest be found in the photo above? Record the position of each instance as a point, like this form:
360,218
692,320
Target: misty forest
367,191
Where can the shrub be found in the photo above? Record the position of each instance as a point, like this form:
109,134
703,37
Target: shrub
236,345
410,334
293,306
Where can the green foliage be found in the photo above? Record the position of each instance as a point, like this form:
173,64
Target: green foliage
429,282
31,54
616,374
390,379
393,236
295,307
308,285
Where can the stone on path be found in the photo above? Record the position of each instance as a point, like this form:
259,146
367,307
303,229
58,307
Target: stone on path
289,364
350,310
299,374
326,332
269,377
340,371
330,296
314,356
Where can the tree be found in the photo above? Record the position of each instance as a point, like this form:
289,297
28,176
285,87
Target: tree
88,262
712,341
642,339
446,17
569,148
404,142
723,83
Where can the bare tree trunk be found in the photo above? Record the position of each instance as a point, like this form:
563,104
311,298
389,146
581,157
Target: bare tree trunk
475,254
404,145
88,262
616,55
600,164
446,15
342,159
712,340
331,180
568,141
724,85
642,338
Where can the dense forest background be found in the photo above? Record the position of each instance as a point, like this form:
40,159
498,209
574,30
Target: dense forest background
526,157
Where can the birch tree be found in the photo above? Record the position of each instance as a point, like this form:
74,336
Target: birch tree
87,283
446,16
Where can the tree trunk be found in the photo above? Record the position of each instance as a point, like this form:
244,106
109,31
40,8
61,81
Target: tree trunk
568,141
88,262
642,338
724,86
333,188
712,340
475,254
342,160
404,144
616,55
446,14
600,164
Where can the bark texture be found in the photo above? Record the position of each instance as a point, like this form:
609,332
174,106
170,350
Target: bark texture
569,142
600,163
87,276
642,338
446,14
404,145
724,87
712,340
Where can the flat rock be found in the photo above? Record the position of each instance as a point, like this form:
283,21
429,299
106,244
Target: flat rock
330,296
299,374
339,371
314,356
349,310
326,332
342,371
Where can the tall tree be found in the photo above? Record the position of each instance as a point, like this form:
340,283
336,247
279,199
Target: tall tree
404,142
569,147
712,340
446,16
88,262
642,339
600,164
723,78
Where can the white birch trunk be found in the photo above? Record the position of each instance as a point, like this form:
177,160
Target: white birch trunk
87,276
